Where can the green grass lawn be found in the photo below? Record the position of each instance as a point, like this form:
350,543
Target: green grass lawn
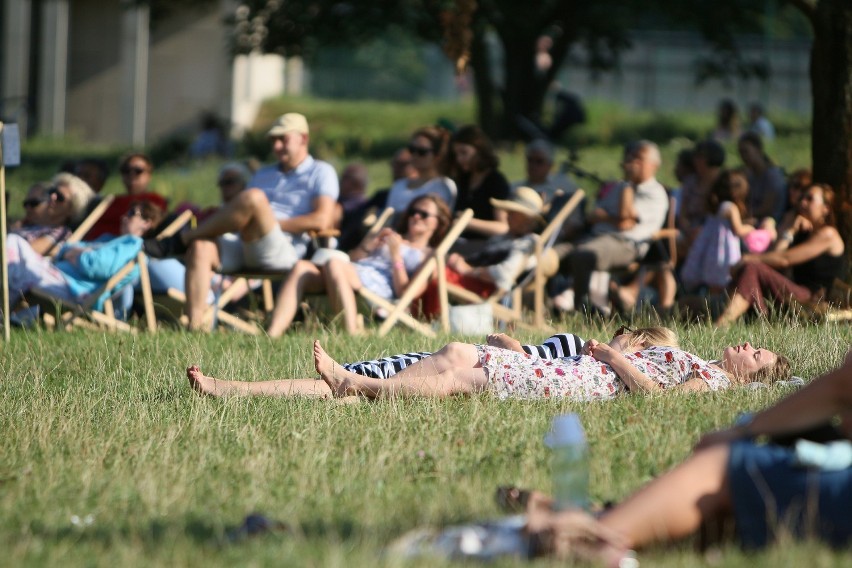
106,425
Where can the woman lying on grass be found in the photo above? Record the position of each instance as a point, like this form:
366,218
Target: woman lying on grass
601,372
782,487
555,347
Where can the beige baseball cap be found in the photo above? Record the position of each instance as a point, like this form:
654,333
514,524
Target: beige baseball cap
290,122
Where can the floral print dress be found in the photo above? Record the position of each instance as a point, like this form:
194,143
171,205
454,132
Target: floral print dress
581,377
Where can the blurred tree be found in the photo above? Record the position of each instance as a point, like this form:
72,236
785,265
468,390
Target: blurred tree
534,38
831,91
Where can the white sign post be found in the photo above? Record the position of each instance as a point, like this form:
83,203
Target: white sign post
10,154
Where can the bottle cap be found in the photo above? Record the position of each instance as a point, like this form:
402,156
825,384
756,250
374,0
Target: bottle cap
566,430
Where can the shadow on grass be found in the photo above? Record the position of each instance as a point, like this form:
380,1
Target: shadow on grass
199,530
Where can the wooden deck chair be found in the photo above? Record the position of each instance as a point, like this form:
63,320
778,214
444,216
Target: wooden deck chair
435,262
83,314
507,305
85,226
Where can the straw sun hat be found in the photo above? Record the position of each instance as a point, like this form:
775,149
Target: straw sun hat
526,200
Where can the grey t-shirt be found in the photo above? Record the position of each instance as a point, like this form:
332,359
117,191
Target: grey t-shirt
651,203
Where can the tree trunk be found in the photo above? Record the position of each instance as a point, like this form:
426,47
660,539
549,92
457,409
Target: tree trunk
523,96
831,87
483,84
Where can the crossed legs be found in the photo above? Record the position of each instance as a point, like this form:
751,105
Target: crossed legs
451,371
248,214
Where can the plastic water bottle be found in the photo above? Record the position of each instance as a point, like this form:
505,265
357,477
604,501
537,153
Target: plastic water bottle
570,462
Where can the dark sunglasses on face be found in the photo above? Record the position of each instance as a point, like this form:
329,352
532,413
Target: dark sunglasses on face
134,212
536,161
135,170
421,213
54,193
622,330
29,203
419,150
229,181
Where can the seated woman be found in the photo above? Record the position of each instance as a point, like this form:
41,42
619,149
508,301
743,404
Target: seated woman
473,164
767,489
554,347
383,265
814,250
81,268
52,210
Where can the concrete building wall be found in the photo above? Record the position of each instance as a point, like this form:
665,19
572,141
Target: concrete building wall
186,67
95,81
189,72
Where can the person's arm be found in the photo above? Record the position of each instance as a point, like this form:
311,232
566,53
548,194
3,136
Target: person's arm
815,404
732,214
627,215
816,245
320,219
399,274
498,226
633,378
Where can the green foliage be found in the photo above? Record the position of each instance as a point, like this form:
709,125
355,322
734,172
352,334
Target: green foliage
390,67
106,425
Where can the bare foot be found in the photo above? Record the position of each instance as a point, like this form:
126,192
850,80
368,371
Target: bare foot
200,383
332,373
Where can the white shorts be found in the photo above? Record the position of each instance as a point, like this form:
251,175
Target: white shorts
273,251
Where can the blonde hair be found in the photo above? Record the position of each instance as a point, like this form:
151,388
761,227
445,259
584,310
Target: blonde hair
81,194
656,336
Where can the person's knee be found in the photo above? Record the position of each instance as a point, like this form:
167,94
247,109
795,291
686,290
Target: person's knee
252,198
458,353
201,252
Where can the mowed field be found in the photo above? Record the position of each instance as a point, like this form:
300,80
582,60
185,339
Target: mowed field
105,428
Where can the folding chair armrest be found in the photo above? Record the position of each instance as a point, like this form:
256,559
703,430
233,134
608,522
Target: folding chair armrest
179,222
557,222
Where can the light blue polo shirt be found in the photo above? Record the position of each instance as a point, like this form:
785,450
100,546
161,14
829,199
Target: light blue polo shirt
292,193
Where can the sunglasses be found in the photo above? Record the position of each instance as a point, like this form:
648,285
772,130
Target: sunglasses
229,181
54,193
30,203
421,213
622,330
419,150
135,170
136,212
536,161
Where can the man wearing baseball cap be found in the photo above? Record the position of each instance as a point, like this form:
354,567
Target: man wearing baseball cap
272,217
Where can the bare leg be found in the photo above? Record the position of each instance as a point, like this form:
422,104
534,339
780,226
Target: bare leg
455,355
667,286
735,309
341,281
675,505
447,383
248,214
281,388
201,258
305,277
